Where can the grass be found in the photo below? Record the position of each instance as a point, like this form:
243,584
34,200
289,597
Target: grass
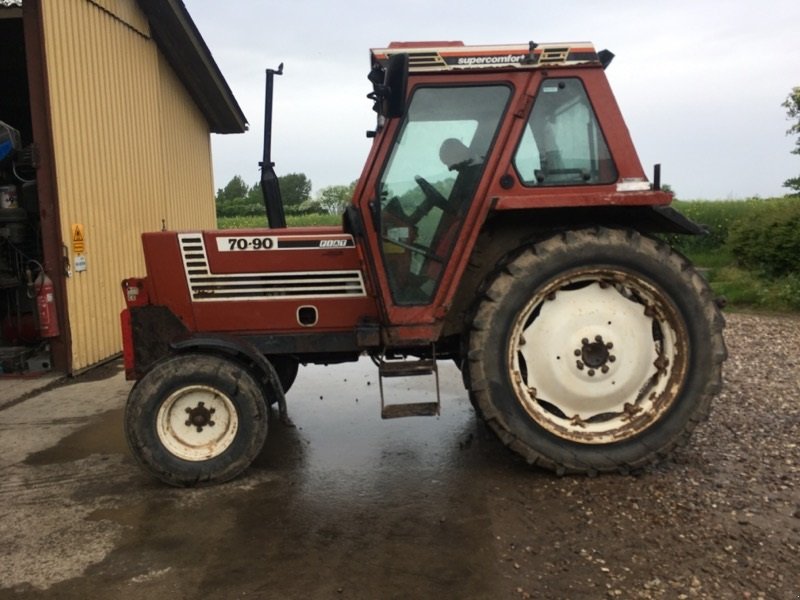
745,289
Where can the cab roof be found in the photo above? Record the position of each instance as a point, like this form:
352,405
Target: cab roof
457,56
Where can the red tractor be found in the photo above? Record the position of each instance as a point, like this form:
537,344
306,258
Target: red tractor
502,220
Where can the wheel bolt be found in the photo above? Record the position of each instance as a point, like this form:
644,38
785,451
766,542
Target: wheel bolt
611,358
585,341
598,338
579,364
591,372
609,345
604,368
577,352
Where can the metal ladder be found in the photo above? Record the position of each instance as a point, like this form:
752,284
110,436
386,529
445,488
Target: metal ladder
409,368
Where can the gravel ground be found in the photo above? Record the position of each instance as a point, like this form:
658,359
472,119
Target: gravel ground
720,519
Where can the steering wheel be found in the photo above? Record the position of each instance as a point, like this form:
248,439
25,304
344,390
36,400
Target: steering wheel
433,197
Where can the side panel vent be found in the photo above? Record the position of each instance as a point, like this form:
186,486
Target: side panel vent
206,286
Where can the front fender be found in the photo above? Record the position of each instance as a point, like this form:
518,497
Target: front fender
243,352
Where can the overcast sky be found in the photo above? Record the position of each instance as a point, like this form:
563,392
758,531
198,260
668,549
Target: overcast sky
700,83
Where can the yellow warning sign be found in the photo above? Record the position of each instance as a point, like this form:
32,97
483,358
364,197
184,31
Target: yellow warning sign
78,239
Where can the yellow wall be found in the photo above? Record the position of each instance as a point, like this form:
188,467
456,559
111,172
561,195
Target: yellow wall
131,151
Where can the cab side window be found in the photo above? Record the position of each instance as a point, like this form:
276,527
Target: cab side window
562,143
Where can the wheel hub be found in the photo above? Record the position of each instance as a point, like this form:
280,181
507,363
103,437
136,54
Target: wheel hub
594,355
200,416
197,422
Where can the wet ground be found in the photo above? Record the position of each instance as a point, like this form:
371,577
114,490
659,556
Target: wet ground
345,505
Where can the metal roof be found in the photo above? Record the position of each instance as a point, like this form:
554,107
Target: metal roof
179,40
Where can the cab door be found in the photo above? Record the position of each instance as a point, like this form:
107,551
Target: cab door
422,196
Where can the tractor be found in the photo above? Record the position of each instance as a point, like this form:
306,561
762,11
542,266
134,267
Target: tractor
502,221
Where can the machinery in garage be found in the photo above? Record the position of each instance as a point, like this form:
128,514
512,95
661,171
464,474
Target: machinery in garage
27,303
502,221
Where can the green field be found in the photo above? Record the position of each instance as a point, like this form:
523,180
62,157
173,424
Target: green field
311,220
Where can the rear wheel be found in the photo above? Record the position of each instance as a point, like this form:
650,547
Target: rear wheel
594,351
196,419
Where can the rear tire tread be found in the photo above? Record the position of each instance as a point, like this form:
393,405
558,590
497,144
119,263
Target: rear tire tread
522,264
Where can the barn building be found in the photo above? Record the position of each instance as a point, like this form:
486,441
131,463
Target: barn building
106,111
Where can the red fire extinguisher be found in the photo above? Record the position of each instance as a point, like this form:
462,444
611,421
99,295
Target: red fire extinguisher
46,306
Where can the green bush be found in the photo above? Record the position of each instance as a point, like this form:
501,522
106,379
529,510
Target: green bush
788,291
769,240
718,216
752,252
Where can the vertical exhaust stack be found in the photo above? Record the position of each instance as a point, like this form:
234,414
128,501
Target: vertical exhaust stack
269,180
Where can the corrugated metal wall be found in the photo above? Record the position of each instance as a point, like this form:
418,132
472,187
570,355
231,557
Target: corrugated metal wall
131,151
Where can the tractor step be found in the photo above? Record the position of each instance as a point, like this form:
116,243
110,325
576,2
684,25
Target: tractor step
409,368
412,409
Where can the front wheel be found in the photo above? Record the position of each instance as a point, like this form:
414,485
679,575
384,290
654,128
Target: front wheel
196,419
596,350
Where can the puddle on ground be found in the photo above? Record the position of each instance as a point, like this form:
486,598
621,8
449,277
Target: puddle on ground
102,435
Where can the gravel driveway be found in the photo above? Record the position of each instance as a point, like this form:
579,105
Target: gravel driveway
721,519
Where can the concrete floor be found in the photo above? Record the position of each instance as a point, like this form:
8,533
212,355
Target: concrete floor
342,504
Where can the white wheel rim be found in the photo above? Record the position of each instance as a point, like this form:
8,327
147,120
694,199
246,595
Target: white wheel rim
197,423
597,357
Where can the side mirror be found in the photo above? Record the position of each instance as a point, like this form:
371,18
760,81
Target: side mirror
389,87
397,81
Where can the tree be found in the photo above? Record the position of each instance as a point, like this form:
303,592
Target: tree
334,198
231,201
295,189
236,188
792,106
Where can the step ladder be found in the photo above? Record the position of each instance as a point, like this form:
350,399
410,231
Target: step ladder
408,367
